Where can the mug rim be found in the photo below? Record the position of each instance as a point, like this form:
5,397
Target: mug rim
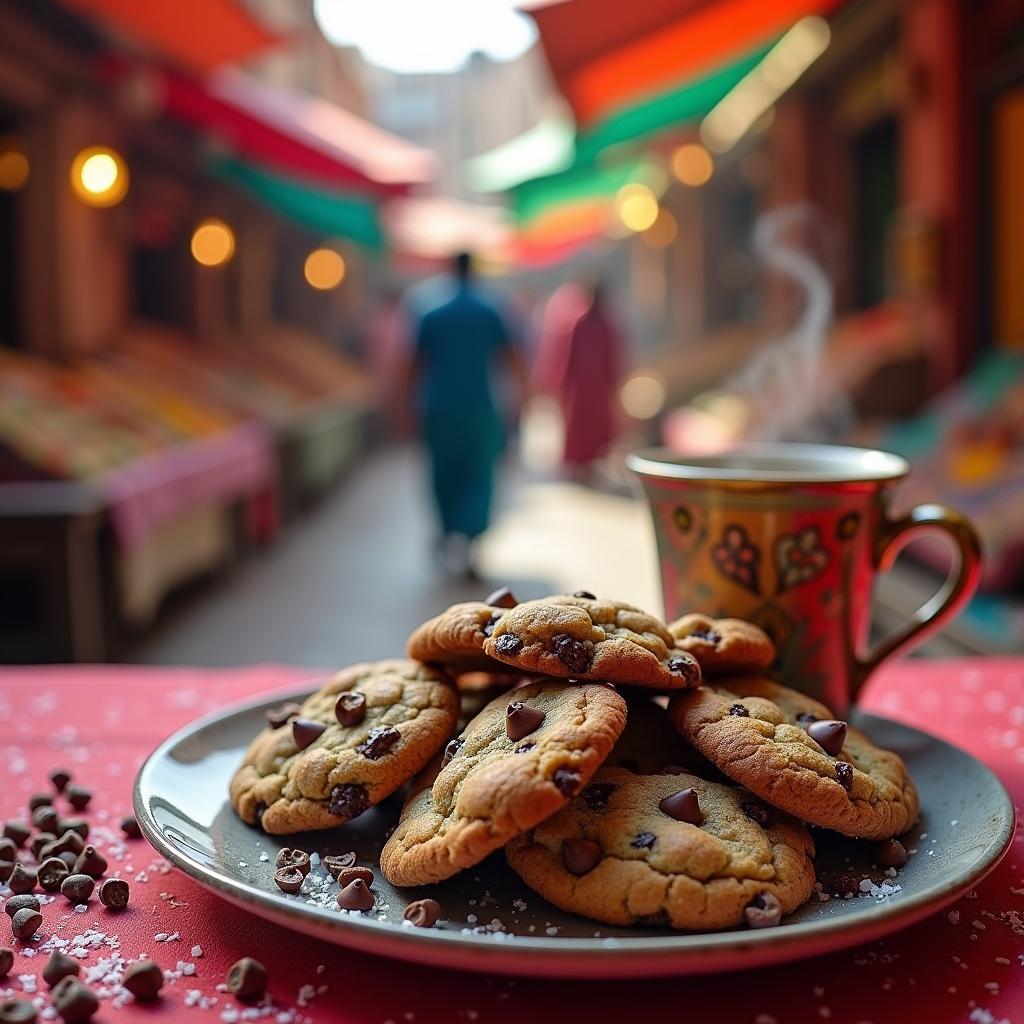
852,464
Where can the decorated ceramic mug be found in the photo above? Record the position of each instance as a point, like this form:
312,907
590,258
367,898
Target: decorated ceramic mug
792,536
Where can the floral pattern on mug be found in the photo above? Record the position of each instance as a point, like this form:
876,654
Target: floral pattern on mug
738,558
799,557
847,525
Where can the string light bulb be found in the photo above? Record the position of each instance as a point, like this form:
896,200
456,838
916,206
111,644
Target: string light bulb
99,176
324,269
213,243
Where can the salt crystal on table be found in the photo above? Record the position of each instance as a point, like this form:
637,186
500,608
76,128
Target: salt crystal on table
197,951
765,1018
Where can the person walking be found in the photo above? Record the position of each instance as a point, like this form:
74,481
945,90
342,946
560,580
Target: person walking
459,341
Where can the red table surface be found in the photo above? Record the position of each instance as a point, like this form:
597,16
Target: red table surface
961,965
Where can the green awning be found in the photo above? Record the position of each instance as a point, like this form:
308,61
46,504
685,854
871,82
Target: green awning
326,212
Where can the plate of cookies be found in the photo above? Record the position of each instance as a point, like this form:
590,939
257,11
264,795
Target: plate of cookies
569,787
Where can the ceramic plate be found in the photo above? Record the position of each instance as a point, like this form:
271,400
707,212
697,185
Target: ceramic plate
493,922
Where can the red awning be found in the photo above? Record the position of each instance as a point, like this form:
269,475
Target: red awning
200,35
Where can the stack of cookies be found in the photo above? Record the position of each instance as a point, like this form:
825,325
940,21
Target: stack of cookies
633,773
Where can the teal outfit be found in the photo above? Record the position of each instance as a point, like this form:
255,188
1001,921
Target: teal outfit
457,343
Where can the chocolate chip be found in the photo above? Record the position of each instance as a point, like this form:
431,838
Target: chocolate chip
524,748
6,867
739,711
450,751
356,896
17,831
763,911
707,635
683,805
247,979
51,873
580,855
348,875
289,879
508,645
501,598
144,979
60,966
26,923
6,961
844,774
585,594
891,853
348,800
595,797
686,667
806,716
77,888
335,864
566,781
573,654
830,735
114,893
306,731
423,913
23,879
282,715
379,742
521,720
74,1001
60,777
17,1011
756,812
79,826
40,840
491,623
350,709
90,862
644,841
287,857
130,827
37,800
68,857
78,797
8,849
69,842
24,901
45,819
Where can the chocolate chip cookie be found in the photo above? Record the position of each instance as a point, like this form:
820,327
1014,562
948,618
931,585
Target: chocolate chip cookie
371,728
671,850
723,646
520,760
793,753
650,742
455,638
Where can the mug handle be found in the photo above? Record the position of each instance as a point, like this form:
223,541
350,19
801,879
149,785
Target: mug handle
958,589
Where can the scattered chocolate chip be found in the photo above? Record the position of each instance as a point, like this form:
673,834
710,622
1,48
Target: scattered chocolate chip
305,731
423,913
144,979
23,879
508,645
567,781
78,826
336,863
24,901
501,598
17,831
379,742
350,709
806,716
739,711
356,896
580,855
683,805
6,961
45,819
287,857
6,867
348,800
74,1001
756,812
60,777
77,888
17,1011
891,853
585,594
489,625
78,797
114,893
8,849
281,715
247,979
573,654
26,923
289,879
686,667
349,875
60,965
38,841
90,862
130,827
644,841
595,797
524,748
763,911
68,857
521,720
829,735
51,873
707,635
450,751
69,842
37,800
844,774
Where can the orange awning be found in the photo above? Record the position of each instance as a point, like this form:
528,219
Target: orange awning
200,35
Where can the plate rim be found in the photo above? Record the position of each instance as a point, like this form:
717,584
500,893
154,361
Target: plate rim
549,955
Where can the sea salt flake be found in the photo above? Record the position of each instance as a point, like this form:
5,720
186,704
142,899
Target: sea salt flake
954,916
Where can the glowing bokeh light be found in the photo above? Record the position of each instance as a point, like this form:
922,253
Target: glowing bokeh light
213,243
14,166
99,176
663,232
636,207
692,164
324,269
643,395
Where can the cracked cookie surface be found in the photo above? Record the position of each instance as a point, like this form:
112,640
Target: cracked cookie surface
759,733
723,646
616,856
401,714
505,773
